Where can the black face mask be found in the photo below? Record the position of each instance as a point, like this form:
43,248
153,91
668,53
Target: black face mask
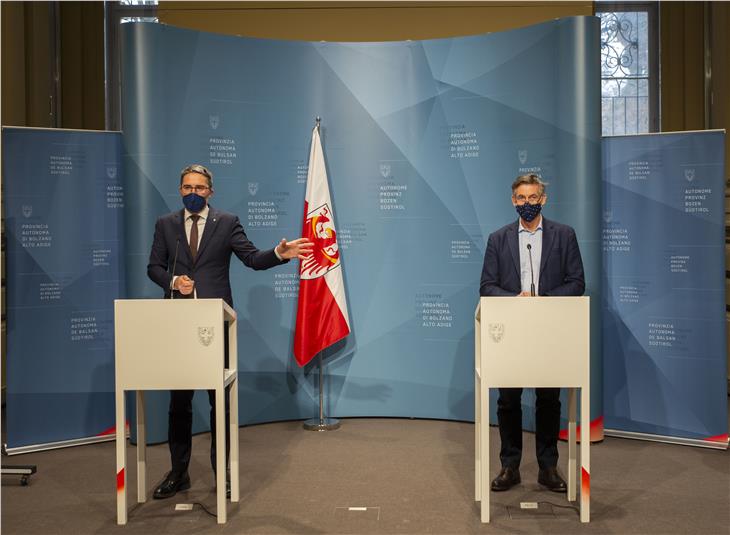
528,211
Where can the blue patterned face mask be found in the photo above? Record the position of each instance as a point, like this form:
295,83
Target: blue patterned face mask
528,211
194,202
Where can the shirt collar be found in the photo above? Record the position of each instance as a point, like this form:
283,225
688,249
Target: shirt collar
521,228
203,213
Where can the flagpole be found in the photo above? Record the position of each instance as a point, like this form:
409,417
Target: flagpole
321,423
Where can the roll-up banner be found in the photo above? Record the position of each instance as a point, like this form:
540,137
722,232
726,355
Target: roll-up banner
664,331
63,203
422,141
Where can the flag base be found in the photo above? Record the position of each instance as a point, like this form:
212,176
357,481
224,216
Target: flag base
322,424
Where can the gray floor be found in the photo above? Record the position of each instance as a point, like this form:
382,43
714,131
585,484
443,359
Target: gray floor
413,476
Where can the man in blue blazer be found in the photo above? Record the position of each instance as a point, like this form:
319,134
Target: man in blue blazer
197,243
531,257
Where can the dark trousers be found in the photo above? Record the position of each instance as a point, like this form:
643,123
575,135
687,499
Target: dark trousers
547,426
180,429
180,423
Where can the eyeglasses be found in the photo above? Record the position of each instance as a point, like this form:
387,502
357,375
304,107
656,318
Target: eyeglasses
187,188
532,199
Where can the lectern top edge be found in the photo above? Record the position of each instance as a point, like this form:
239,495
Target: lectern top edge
228,312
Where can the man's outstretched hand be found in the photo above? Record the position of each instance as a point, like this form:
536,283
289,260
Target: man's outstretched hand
299,248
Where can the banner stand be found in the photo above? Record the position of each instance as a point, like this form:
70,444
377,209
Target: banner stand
664,326
63,204
22,470
721,443
321,423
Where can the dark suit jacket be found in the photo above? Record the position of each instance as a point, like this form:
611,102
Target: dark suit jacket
223,236
561,266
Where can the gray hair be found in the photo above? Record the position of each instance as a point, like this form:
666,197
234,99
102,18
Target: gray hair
201,170
529,180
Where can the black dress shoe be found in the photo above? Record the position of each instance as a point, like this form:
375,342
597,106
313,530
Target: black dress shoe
549,477
507,478
171,485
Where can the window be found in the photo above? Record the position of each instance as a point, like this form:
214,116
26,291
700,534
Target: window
629,68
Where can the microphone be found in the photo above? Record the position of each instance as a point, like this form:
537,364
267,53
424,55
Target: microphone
532,275
174,264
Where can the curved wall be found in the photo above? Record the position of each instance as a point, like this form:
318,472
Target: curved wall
422,140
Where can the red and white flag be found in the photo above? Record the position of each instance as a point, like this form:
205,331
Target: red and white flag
322,317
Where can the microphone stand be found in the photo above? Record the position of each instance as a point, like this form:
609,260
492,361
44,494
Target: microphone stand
174,264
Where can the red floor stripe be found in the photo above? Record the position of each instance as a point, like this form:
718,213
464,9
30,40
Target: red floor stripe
585,483
120,480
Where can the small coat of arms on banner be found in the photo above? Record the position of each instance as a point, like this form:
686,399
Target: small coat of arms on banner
689,174
522,155
496,331
385,170
214,120
27,210
111,172
205,335
253,188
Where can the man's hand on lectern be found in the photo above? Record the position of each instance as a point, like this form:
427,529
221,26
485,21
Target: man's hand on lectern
184,284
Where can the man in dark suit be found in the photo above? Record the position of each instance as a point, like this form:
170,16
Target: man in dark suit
531,257
198,242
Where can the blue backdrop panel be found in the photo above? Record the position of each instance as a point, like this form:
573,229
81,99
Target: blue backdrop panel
63,205
422,141
665,363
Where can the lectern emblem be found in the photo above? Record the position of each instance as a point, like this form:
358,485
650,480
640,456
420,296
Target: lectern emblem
496,331
689,174
205,335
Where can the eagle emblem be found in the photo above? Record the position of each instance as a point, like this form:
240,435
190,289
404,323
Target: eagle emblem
320,229
496,331
205,335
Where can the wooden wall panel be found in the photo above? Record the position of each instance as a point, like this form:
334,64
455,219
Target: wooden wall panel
363,21
682,66
13,63
82,65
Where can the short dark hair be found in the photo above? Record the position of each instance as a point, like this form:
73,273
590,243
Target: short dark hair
201,170
529,180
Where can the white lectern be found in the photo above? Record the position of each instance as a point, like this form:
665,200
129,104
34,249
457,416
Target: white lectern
164,344
559,327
